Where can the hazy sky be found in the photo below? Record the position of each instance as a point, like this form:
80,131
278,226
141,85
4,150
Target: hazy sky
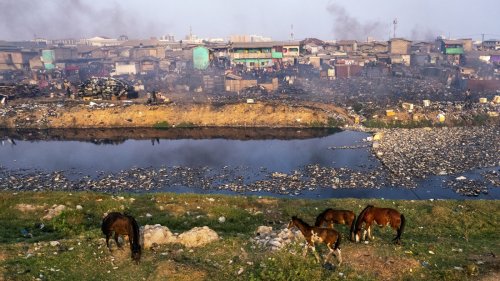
324,19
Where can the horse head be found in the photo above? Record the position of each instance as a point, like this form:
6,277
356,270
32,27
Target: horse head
292,222
136,253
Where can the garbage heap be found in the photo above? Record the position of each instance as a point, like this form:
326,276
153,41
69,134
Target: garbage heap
11,91
106,89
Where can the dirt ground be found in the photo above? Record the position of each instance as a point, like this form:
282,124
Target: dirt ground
118,115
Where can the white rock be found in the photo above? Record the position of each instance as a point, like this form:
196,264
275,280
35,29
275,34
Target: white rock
222,219
79,207
156,234
264,230
55,211
54,243
197,236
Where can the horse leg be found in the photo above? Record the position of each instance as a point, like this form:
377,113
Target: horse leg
306,248
370,234
330,252
316,254
339,256
107,241
116,240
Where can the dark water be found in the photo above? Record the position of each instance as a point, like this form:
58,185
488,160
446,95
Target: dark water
250,156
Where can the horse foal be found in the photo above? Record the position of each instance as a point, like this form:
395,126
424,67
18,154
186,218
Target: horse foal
314,235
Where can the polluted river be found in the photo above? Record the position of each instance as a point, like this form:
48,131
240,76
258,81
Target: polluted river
303,163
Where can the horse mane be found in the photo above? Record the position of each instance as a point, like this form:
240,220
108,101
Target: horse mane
301,221
359,221
320,217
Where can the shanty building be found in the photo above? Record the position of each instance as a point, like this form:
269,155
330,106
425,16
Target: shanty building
467,44
399,46
15,58
291,52
491,44
453,50
201,58
348,45
255,54
452,47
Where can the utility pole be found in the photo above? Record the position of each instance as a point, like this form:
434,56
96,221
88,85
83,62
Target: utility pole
395,23
482,41
291,32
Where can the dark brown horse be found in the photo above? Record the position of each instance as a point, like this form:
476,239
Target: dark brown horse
331,216
382,217
314,234
115,224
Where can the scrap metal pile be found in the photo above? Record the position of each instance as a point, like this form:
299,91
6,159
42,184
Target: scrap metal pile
106,89
19,91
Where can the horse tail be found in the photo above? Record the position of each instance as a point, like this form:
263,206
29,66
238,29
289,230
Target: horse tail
353,224
337,243
136,231
401,226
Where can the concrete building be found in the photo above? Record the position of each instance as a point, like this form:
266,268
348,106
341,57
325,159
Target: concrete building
291,52
399,46
15,58
348,45
254,54
491,44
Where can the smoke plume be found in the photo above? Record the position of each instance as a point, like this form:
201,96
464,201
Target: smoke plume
56,19
347,27
423,34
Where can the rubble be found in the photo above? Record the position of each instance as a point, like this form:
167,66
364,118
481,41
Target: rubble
271,240
439,151
54,211
106,89
468,187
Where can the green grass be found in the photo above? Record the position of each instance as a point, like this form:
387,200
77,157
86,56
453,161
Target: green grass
186,125
162,125
439,236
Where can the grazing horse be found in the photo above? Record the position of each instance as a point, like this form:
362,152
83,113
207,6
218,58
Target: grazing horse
314,234
382,217
118,224
331,216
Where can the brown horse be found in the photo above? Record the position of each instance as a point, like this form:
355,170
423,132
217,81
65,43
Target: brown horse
382,217
331,216
118,224
317,234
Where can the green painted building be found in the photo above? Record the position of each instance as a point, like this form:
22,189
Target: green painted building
201,58
452,47
256,54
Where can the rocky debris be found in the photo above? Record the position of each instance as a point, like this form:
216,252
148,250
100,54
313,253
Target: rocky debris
439,151
492,177
274,240
156,234
263,230
197,237
54,211
467,187
106,88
